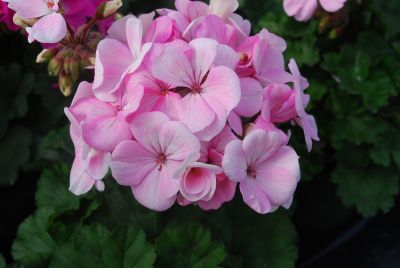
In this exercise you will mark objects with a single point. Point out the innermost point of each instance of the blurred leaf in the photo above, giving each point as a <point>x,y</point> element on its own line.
<point>34,245</point>
<point>16,86</point>
<point>56,145</point>
<point>15,152</point>
<point>188,245</point>
<point>2,262</point>
<point>95,246</point>
<point>370,190</point>
<point>52,190</point>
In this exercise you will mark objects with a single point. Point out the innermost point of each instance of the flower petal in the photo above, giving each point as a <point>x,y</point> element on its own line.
<point>234,162</point>
<point>51,28</point>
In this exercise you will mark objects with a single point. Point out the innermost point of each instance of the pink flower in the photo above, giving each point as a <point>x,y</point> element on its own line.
<point>267,169</point>
<point>306,121</point>
<point>90,166</point>
<point>211,92</point>
<point>6,16</point>
<point>303,10</point>
<point>261,57</point>
<point>213,188</point>
<point>126,37</point>
<point>249,105</point>
<point>106,124</point>
<point>279,104</point>
<point>50,27</point>
<point>151,163</point>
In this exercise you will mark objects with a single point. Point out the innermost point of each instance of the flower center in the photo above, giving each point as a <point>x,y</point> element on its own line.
<point>251,173</point>
<point>244,58</point>
<point>196,89</point>
<point>161,160</point>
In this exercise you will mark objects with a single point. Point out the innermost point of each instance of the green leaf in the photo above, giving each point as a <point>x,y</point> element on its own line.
<point>52,190</point>
<point>34,245</point>
<point>95,246</point>
<point>381,155</point>
<point>15,149</point>
<point>16,86</point>
<point>188,245</point>
<point>370,190</point>
<point>2,262</point>
<point>254,240</point>
<point>56,145</point>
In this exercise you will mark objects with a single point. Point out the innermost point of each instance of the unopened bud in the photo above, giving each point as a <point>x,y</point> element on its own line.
<point>66,84</point>
<point>108,9</point>
<point>74,68</point>
<point>54,66</point>
<point>46,55</point>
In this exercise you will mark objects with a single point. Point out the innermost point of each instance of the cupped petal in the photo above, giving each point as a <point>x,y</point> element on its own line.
<point>332,5</point>
<point>51,28</point>
<point>110,69</point>
<point>98,164</point>
<point>234,162</point>
<point>131,163</point>
<point>235,122</point>
<point>29,9</point>
<point>278,176</point>
<point>162,30</point>
<point>223,8</point>
<point>252,97</point>
<point>225,191</point>
<point>222,86</point>
<point>104,134</point>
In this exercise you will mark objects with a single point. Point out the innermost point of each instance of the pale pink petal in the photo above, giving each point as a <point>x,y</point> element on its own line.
<point>151,191</point>
<point>181,21</point>
<point>217,125</point>
<point>104,134</point>
<point>259,145</point>
<point>131,98</point>
<point>242,25</point>
<point>51,28</point>
<point>278,176</point>
<point>332,5</point>
<point>225,191</point>
<point>111,68</point>
<point>146,20</point>
<point>235,122</point>
<point>226,56</point>
<point>98,164</point>
<point>254,196</point>
<point>177,143</point>
<point>29,9</point>
<point>174,68</point>
<point>205,51</point>
<point>195,112</point>
<point>146,129</point>
<point>80,181</point>
<point>92,108</point>
<point>252,97</point>
<point>234,162</point>
<point>131,163</point>
<point>307,122</point>
<point>191,9</point>
<point>222,86</point>
<point>275,41</point>
<point>162,30</point>
<point>84,91</point>
<point>118,29</point>
<point>223,8</point>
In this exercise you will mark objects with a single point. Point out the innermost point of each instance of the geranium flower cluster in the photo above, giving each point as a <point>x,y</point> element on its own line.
<point>47,21</point>
<point>303,10</point>
<point>185,105</point>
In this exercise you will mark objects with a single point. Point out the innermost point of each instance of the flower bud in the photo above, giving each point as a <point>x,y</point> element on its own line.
<point>108,9</point>
<point>74,68</point>
<point>54,66</point>
<point>66,84</point>
<point>46,55</point>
